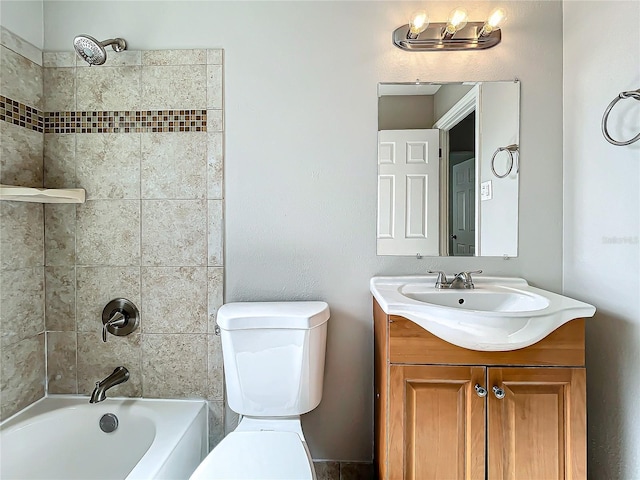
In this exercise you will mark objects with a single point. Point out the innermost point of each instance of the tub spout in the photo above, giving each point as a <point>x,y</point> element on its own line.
<point>119,375</point>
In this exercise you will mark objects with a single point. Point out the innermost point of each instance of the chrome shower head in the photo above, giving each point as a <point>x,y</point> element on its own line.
<point>92,51</point>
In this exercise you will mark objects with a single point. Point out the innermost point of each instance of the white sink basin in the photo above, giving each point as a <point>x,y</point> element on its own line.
<point>500,314</point>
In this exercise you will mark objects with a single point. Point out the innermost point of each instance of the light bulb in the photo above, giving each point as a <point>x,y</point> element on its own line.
<point>457,20</point>
<point>418,23</point>
<point>496,19</point>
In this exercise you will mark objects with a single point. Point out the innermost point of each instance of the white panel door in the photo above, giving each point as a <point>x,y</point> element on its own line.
<point>463,189</point>
<point>408,196</point>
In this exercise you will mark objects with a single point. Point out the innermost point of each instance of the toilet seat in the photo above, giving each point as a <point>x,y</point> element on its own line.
<point>257,455</point>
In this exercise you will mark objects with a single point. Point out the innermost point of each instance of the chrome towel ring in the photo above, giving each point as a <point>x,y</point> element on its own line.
<point>631,94</point>
<point>510,149</point>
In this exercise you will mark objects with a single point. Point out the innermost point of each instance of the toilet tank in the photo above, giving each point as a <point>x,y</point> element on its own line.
<point>273,356</point>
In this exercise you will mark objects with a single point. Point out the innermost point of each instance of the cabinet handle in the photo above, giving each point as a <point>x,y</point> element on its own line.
<point>481,391</point>
<point>498,392</point>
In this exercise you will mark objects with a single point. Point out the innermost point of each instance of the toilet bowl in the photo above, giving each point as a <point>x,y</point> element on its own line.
<point>273,354</point>
<point>249,453</point>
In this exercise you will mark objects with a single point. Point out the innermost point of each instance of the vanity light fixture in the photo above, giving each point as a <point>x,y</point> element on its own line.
<point>456,34</point>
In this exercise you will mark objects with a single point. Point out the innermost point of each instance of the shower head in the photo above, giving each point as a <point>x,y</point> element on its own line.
<point>92,51</point>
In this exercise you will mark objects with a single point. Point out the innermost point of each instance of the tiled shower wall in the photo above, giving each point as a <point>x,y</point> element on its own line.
<point>142,134</point>
<point>22,342</point>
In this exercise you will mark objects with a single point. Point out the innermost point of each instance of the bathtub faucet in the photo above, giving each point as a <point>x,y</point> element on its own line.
<point>119,375</point>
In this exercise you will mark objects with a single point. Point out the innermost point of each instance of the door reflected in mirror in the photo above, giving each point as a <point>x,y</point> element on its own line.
<point>448,169</point>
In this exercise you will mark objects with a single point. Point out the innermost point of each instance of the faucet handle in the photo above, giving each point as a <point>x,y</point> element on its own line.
<point>117,320</point>
<point>468,281</point>
<point>119,317</point>
<point>474,272</point>
<point>441,281</point>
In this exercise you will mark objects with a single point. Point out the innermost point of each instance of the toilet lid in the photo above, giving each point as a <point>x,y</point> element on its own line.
<point>262,455</point>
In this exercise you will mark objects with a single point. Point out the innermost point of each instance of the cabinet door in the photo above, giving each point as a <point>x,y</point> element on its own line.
<point>538,430</point>
<point>436,423</point>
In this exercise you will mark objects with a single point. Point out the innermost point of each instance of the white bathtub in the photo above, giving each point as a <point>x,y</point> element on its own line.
<point>59,437</point>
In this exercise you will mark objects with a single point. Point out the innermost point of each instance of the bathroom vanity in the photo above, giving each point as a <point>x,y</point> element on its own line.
<point>478,379</point>
<point>447,412</point>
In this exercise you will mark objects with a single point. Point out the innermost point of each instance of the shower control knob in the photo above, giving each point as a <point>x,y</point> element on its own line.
<point>119,317</point>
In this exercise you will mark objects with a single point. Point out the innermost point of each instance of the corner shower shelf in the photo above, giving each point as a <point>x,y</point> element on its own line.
<point>42,195</point>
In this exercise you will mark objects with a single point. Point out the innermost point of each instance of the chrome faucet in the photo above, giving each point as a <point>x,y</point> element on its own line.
<point>460,280</point>
<point>441,281</point>
<point>463,280</point>
<point>119,375</point>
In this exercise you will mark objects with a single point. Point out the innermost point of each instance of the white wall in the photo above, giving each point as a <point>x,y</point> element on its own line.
<point>498,118</point>
<point>25,19</point>
<point>300,169</point>
<point>602,223</point>
<point>447,96</point>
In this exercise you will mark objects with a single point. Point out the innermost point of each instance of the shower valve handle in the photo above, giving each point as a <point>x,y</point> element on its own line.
<point>119,317</point>
<point>117,320</point>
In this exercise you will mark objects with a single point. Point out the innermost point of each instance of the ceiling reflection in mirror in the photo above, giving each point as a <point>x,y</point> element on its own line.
<point>448,169</point>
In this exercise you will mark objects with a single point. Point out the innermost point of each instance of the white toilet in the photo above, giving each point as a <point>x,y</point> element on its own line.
<point>273,356</point>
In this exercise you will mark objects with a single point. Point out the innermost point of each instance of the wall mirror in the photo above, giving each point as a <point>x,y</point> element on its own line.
<point>448,168</point>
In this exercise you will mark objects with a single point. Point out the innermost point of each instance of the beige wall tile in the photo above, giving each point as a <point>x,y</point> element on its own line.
<point>175,366</point>
<point>174,299</point>
<point>22,80</point>
<point>21,304</point>
<point>21,235</point>
<point>214,86</point>
<point>97,286</point>
<point>60,234</point>
<point>174,57</point>
<point>127,58</point>
<point>214,56</point>
<point>108,232</point>
<point>216,423</point>
<point>108,88</point>
<point>59,89</point>
<point>216,233</point>
<point>60,295</point>
<point>97,360</point>
<point>22,375</point>
<point>174,87</point>
<point>20,156</point>
<point>61,362</point>
<point>174,232</point>
<point>174,165</point>
<point>215,121</point>
<point>215,370</point>
<point>108,165</point>
<point>60,160</point>
<point>58,59</point>
<point>215,165</point>
<point>215,280</point>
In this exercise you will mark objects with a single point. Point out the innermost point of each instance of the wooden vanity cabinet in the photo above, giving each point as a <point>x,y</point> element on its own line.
<point>430,422</point>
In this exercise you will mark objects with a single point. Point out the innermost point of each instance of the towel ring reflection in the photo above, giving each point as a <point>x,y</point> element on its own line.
<point>510,149</point>
<point>631,94</point>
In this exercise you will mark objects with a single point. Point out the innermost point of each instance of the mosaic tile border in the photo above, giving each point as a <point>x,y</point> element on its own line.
<point>138,121</point>
<point>20,114</point>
